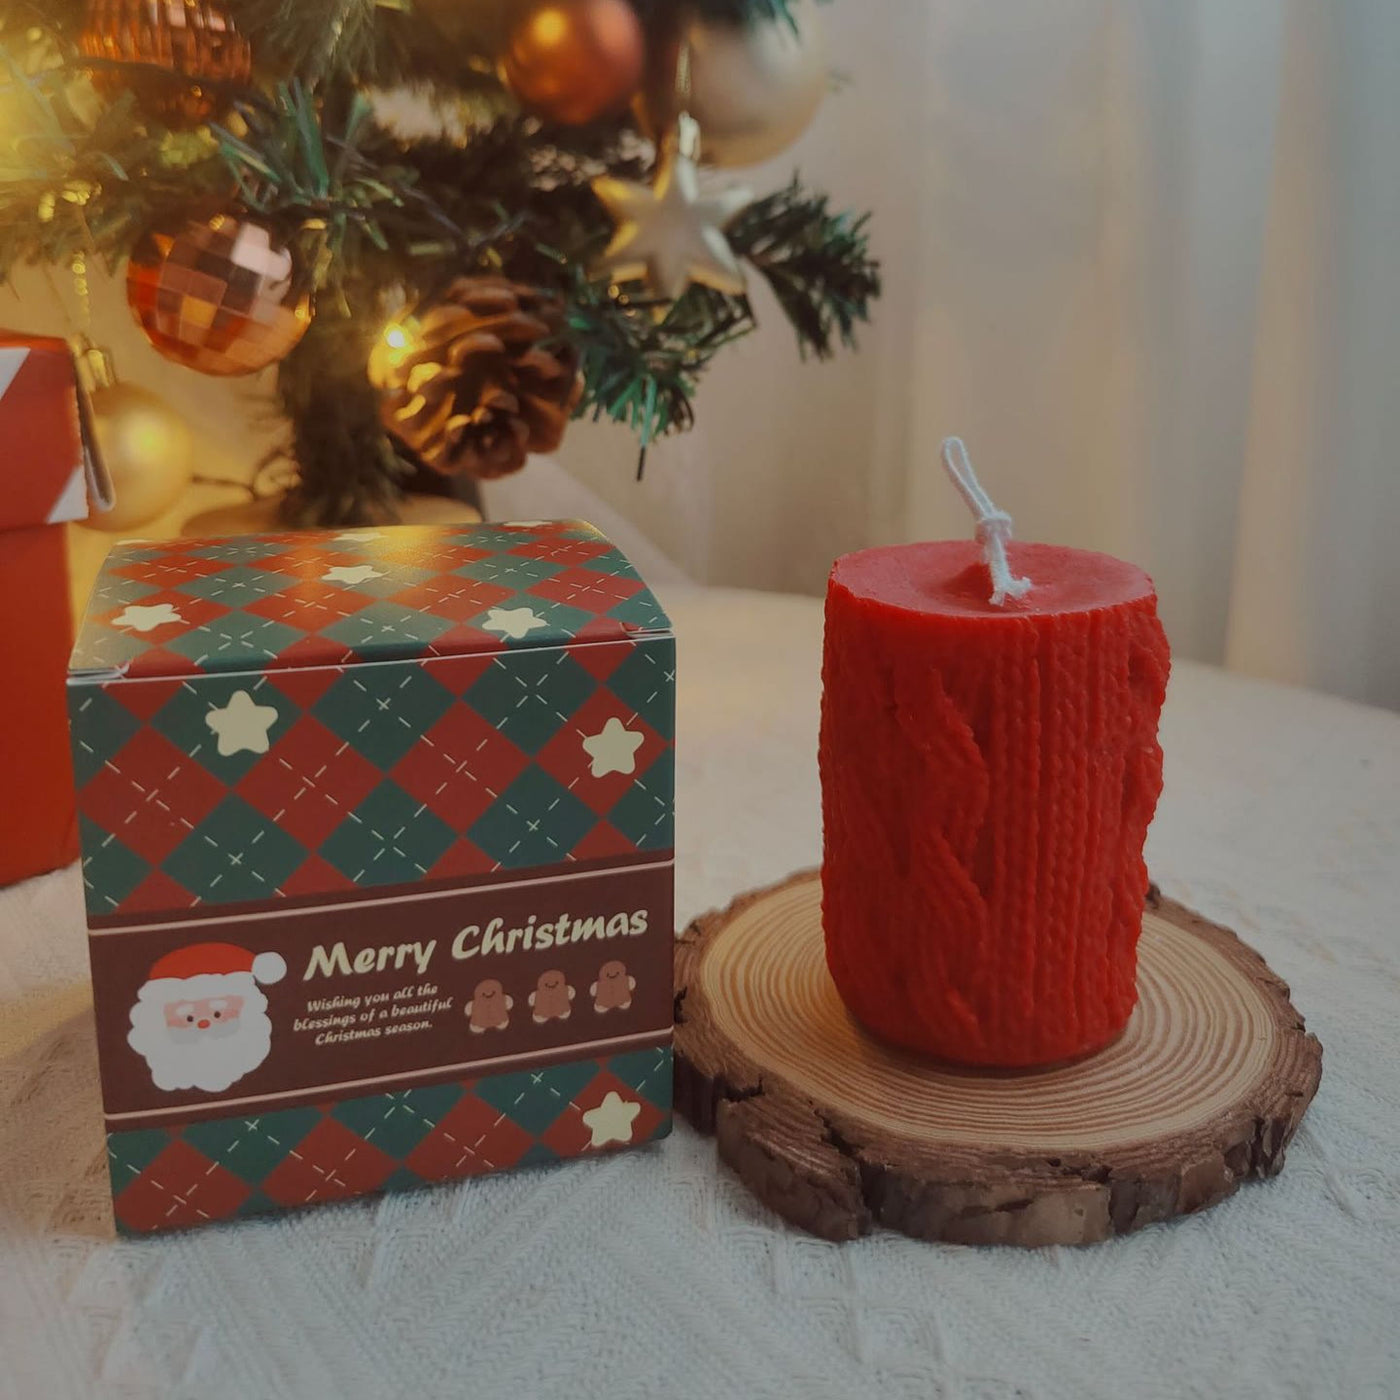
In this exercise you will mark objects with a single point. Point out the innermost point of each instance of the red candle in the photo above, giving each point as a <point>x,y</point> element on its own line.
<point>988,775</point>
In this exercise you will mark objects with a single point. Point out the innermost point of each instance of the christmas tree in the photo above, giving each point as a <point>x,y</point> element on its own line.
<point>438,303</point>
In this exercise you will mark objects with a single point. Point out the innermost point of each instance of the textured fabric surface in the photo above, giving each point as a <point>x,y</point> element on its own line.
<point>653,1273</point>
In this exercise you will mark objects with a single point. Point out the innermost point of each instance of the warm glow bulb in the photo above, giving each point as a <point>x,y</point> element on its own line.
<point>550,28</point>
<point>396,338</point>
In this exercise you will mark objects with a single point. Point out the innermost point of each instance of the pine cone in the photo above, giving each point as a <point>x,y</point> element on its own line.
<point>477,388</point>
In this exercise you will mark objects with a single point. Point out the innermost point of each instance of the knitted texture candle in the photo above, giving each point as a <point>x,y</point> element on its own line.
<point>988,775</point>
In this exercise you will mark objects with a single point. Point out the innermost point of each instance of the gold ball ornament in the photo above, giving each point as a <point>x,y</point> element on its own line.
<point>184,49</point>
<point>754,88</point>
<point>148,450</point>
<point>221,295</point>
<point>574,61</point>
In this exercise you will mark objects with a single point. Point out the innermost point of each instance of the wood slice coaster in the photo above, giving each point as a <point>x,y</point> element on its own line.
<point>837,1131</point>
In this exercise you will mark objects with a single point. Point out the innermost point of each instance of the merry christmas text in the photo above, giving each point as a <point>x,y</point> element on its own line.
<point>475,940</point>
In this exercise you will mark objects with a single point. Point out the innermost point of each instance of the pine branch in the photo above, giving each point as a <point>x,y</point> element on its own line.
<point>817,263</point>
<point>641,371</point>
<point>375,216</point>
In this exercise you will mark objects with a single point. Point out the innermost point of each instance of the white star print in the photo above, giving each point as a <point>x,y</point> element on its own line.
<point>242,725</point>
<point>147,619</point>
<point>514,623</point>
<point>613,749</point>
<point>350,573</point>
<point>360,536</point>
<point>612,1120</point>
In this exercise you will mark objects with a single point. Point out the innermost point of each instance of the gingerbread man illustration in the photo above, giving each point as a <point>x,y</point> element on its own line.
<point>613,989</point>
<point>490,1007</point>
<point>552,999</point>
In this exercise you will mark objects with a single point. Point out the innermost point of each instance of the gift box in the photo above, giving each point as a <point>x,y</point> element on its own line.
<point>49,473</point>
<point>377,835</point>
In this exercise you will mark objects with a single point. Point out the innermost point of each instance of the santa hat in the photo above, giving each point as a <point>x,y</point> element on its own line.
<point>218,960</point>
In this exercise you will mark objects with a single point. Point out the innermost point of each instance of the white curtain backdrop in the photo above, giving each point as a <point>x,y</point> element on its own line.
<point>1144,255</point>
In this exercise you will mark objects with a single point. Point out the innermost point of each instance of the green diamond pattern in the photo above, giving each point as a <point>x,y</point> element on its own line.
<point>612,561</point>
<point>234,587</point>
<point>644,813</point>
<point>110,871</point>
<point>532,691</point>
<point>114,591</point>
<point>404,1180</point>
<point>234,853</point>
<point>183,719</point>
<point>646,1071</point>
<point>528,695</point>
<point>510,570</point>
<point>251,1147</point>
<point>237,641</point>
<point>129,1154</point>
<point>393,580</point>
<point>562,619</point>
<point>535,1098</point>
<point>243,549</point>
<point>535,821</point>
<point>397,1123</point>
<point>100,728</point>
<point>388,839</point>
<point>388,625</point>
<point>113,649</point>
<point>646,682</point>
<point>641,610</point>
<point>382,710</point>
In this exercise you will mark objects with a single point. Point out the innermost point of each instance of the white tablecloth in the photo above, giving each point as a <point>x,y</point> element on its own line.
<point>653,1273</point>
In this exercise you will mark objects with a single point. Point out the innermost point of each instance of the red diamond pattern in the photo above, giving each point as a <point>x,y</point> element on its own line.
<point>565,759</point>
<point>146,699</point>
<point>310,605</point>
<point>462,858</point>
<point>157,893</point>
<point>472,1138</point>
<point>150,796</point>
<point>309,782</point>
<point>305,688</point>
<point>452,764</point>
<point>583,588</point>
<point>160,660</point>
<point>181,1187</point>
<point>174,566</point>
<point>459,767</point>
<point>569,1135</point>
<point>450,596</point>
<point>329,1163</point>
<point>602,659</point>
<point>316,876</point>
<point>425,549</point>
<point>559,551</point>
<point>602,841</point>
<point>190,610</point>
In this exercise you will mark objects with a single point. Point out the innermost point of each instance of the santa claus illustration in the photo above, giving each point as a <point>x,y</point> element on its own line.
<point>200,1021</point>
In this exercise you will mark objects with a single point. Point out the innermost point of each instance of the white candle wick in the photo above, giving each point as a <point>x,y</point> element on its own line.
<point>993,525</point>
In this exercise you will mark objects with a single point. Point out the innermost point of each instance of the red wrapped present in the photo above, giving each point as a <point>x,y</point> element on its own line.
<point>49,473</point>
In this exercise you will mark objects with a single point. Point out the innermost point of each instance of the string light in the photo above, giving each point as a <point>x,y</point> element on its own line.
<point>397,342</point>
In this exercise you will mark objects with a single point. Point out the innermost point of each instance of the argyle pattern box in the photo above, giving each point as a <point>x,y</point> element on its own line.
<point>167,1178</point>
<point>377,818</point>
